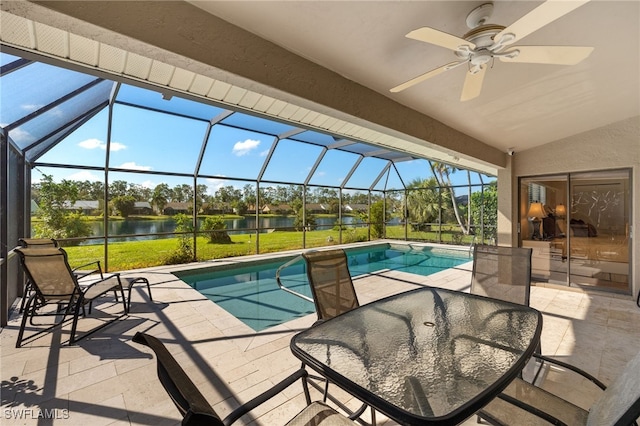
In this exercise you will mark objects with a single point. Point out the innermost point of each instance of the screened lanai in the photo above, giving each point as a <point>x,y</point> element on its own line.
<point>100,164</point>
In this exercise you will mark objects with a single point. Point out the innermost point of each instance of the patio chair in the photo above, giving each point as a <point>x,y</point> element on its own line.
<point>33,243</point>
<point>502,273</point>
<point>54,283</point>
<point>84,271</point>
<point>523,403</point>
<point>333,293</point>
<point>330,281</point>
<point>196,410</point>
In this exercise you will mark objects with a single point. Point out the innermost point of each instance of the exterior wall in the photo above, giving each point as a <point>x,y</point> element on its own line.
<point>610,147</point>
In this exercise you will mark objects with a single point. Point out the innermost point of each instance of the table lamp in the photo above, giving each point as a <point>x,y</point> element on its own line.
<point>561,210</point>
<point>536,212</point>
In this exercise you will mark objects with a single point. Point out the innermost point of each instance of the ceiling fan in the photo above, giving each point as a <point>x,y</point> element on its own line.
<point>484,42</point>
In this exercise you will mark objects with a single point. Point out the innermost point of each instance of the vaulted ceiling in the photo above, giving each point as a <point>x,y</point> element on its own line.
<point>362,48</point>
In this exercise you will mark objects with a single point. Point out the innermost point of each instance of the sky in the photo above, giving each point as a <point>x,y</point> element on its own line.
<point>147,140</point>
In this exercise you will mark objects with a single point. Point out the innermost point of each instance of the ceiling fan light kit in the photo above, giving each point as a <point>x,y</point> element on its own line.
<point>485,42</point>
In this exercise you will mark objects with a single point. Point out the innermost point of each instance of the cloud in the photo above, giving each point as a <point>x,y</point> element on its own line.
<point>117,146</point>
<point>243,148</point>
<point>85,175</point>
<point>30,107</point>
<point>133,166</point>
<point>264,153</point>
<point>148,184</point>
<point>94,143</point>
<point>19,135</point>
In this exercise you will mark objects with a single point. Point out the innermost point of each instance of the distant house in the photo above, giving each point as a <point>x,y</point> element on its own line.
<point>317,208</point>
<point>355,208</point>
<point>85,206</point>
<point>216,208</point>
<point>142,208</point>
<point>462,200</point>
<point>276,209</point>
<point>171,209</point>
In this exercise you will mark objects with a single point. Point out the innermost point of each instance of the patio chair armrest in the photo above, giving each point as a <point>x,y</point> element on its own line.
<point>572,368</point>
<point>531,409</point>
<point>245,408</point>
<point>82,270</point>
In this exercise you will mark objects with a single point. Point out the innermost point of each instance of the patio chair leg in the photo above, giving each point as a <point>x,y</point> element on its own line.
<point>76,313</point>
<point>25,296</point>
<point>24,320</point>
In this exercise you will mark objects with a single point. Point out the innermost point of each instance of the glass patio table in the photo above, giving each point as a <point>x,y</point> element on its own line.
<point>426,356</point>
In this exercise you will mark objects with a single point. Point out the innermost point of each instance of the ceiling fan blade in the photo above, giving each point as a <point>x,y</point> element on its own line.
<point>559,55</point>
<point>473,84</point>
<point>433,36</point>
<point>542,15</point>
<point>425,76</point>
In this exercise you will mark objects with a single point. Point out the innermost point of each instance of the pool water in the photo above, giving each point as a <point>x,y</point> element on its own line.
<point>251,294</point>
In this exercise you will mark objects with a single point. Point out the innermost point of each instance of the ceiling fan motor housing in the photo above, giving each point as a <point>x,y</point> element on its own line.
<point>480,15</point>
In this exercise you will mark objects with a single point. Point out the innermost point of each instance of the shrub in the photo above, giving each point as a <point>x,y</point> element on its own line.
<point>216,230</point>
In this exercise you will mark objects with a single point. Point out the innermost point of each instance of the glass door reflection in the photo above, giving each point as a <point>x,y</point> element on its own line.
<point>578,226</point>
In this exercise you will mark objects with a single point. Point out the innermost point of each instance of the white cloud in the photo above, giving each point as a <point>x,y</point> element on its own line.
<point>94,143</point>
<point>213,185</point>
<point>30,107</point>
<point>148,184</point>
<point>133,166</point>
<point>264,153</point>
<point>85,175</point>
<point>243,148</point>
<point>117,146</point>
<point>18,135</point>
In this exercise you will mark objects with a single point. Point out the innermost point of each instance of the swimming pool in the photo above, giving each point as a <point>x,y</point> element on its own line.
<point>250,292</point>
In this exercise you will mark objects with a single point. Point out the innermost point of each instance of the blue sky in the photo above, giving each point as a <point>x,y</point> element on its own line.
<point>144,140</point>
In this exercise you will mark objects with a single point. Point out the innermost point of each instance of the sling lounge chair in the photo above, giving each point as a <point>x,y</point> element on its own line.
<point>54,283</point>
<point>33,243</point>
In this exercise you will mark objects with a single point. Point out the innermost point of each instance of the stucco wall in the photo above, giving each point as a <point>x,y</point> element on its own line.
<point>611,147</point>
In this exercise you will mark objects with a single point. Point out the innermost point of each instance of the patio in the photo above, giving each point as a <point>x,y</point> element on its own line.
<point>107,380</point>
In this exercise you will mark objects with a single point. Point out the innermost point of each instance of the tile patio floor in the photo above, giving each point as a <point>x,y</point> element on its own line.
<point>108,380</point>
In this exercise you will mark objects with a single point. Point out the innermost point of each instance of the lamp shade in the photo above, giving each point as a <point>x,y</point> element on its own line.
<point>536,210</point>
<point>561,210</point>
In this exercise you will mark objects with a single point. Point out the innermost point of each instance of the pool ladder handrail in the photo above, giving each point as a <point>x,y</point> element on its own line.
<point>288,290</point>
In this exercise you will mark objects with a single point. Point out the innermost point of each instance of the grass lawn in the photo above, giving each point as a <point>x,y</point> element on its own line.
<point>146,253</point>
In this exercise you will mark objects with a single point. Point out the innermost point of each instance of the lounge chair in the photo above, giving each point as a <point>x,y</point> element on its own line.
<point>33,243</point>
<point>53,282</point>
<point>524,403</point>
<point>82,271</point>
<point>196,410</point>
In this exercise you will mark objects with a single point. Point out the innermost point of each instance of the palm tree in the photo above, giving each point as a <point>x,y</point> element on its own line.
<point>444,171</point>
<point>424,200</point>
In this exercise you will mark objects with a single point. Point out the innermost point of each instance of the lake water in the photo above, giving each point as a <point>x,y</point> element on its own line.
<point>234,226</point>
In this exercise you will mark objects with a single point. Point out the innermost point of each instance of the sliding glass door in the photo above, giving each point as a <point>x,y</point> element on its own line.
<point>578,227</point>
